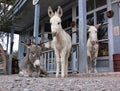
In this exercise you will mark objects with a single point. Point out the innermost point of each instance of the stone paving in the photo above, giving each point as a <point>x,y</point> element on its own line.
<point>75,82</point>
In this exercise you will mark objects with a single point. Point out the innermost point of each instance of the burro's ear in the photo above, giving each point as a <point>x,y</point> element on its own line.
<point>98,25</point>
<point>26,44</point>
<point>87,26</point>
<point>50,12</point>
<point>59,11</point>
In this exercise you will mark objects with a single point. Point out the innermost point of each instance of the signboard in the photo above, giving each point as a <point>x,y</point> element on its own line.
<point>116,31</point>
<point>35,2</point>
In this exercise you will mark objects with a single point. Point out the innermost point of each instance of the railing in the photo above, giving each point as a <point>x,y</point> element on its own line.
<point>49,62</point>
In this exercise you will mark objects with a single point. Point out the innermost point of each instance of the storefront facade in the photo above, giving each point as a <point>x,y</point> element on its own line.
<point>96,13</point>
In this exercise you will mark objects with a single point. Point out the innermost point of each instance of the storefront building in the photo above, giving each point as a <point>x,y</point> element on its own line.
<point>96,12</point>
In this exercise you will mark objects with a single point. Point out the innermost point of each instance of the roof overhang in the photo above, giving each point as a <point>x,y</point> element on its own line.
<point>24,18</point>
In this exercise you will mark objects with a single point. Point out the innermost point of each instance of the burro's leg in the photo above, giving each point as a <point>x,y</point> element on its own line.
<point>89,64</point>
<point>63,68</point>
<point>95,61</point>
<point>89,61</point>
<point>66,66</point>
<point>66,63</point>
<point>57,63</point>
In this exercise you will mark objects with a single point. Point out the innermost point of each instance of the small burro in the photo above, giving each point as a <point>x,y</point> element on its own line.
<point>31,65</point>
<point>61,41</point>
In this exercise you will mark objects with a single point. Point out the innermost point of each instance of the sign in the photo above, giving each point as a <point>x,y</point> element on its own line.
<point>116,31</point>
<point>35,2</point>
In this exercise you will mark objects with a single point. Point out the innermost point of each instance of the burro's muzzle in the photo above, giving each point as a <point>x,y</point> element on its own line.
<point>36,63</point>
<point>54,34</point>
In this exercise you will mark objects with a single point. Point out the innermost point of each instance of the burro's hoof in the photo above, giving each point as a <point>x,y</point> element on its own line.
<point>21,74</point>
<point>35,74</point>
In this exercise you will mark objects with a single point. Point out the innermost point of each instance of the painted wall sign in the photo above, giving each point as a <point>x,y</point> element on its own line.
<point>116,31</point>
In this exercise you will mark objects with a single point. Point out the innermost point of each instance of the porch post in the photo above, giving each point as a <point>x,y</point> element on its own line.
<point>82,36</point>
<point>11,51</point>
<point>110,37</point>
<point>36,22</point>
<point>7,42</point>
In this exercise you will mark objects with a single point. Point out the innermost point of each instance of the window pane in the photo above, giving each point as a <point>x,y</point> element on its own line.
<point>100,3</point>
<point>103,32</point>
<point>103,49</point>
<point>101,16</point>
<point>90,5</point>
<point>90,19</point>
<point>103,46</point>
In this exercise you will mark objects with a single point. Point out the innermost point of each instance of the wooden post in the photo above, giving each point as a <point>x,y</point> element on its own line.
<point>11,51</point>
<point>82,36</point>
<point>36,22</point>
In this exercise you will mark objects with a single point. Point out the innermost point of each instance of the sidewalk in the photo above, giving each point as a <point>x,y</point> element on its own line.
<point>76,82</point>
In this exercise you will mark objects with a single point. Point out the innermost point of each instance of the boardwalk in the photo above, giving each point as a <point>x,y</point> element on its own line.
<point>79,82</point>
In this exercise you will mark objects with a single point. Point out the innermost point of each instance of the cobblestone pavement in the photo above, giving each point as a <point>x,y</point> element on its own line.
<point>76,82</point>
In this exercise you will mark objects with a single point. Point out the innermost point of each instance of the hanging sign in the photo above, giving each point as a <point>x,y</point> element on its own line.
<point>35,2</point>
<point>110,13</point>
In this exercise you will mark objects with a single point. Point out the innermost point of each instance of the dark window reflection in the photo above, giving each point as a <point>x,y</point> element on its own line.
<point>103,32</point>
<point>90,19</point>
<point>90,5</point>
<point>103,46</point>
<point>103,49</point>
<point>100,3</point>
<point>101,16</point>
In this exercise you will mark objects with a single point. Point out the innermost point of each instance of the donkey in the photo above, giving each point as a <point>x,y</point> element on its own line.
<point>61,41</point>
<point>30,65</point>
<point>92,47</point>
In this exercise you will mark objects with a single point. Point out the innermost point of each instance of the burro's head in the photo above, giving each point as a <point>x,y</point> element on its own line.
<point>35,51</point>
<point>55,20</point>
<point>92,30</point>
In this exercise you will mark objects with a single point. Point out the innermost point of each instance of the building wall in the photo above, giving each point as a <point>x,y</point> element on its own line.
<point>105,63</point>
<point>116,30</point>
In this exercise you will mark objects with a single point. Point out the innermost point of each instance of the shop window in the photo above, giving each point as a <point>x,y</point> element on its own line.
<point>102,33</point>
<point>90,19</point>
<point>103,49</point>
<point>90,5</point>
<point>100,3</point>
<point>101,16</point>
<point>93,4</point>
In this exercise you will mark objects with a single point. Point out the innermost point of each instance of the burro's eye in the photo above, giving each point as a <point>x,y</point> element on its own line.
<point>58,23</point>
